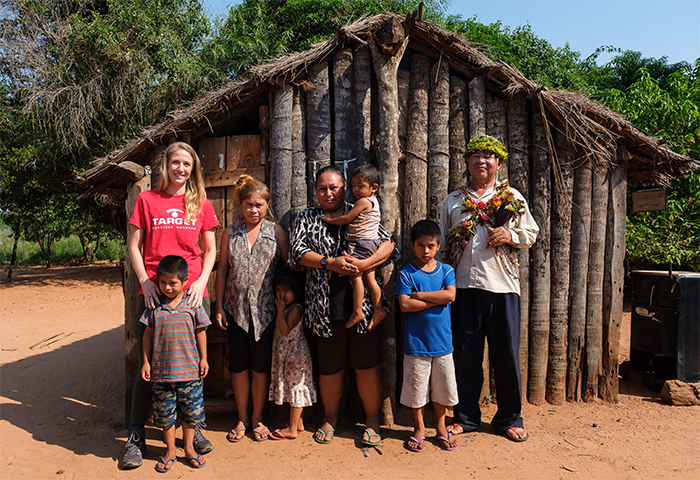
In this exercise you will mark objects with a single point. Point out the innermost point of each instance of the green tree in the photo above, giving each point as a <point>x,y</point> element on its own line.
<point>255,31</point>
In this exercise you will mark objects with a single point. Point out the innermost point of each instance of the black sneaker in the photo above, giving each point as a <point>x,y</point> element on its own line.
<point>201,444</point>
<point>135,448</point>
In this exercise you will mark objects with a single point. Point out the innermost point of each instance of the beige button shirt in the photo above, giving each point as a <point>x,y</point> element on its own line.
<point>480,265</point>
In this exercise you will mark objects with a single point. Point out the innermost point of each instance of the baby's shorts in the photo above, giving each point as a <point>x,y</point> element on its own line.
<point>429,378</point>
<point>364,248</point>
<point>178,398</point>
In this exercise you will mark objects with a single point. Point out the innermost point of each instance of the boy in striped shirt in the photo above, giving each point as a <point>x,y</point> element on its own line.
<point>175,360</point>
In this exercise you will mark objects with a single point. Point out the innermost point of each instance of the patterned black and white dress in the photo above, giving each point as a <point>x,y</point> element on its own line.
<point>311,234</point>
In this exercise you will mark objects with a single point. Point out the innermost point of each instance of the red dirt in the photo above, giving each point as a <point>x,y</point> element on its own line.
<point>62,413</point>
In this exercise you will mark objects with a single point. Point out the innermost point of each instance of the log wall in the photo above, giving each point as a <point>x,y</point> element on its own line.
<point>570,300</point>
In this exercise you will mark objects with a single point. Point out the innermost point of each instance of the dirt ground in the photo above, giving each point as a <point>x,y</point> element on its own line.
<point>62,412</point>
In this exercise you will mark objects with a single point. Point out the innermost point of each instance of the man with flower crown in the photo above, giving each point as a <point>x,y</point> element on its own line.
<point>483,223</point>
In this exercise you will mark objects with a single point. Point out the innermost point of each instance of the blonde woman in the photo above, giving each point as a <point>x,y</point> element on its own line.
<point>169,221</point>
<point>250,252</point>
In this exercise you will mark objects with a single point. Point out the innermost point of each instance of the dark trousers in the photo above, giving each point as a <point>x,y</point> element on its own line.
<point>476,315</point>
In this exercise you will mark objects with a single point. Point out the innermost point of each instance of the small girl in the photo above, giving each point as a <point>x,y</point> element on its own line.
<point>291,377</point>
<point>363,226</point>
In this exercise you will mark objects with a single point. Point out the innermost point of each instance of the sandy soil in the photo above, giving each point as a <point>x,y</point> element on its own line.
<point>62,412</point>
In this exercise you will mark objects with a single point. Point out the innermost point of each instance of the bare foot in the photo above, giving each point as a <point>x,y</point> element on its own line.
<point>416,442</point>
<point>325,434</point>
<point>300,426</point>
<point>236,434</point>
<point>517,434</point>
<point>356,318</point>
<point>455,429</point>
<point>284,434</point>
<point>261,432</point>
<point>379,315</point>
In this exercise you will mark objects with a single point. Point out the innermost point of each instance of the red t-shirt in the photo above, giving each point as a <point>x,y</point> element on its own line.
<point>161,216</point>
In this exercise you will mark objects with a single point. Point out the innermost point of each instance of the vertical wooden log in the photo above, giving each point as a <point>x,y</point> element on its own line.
<point>458,126</point>
<point>264,126</point>
<point>281,155</point>
<point>318,121</point>
<point>539,263</point>
<point>385,68</point>
<point>477,126</point>
<point>344,112</point>
<point>578,282</point>
<point>477,107</point>
<point>594,299</point>
<point>518,173</point>
<point>363,101</point>
<point>614,276</point>
<point>299,186</point>
<point>416,181</point>
<point>496,124</point>
<point>439,138</point>
<point>132,299</point>
<point>561,249</point>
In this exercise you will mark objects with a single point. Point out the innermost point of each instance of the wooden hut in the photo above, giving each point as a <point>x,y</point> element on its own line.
<point>407,95</point>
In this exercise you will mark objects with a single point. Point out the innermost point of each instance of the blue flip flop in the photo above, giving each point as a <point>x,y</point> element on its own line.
<point>196,459</point>
<point>165,463</point>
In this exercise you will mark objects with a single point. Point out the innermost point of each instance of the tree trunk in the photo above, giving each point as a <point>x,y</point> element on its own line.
<point>385,68</point>
<point>132,299</point>
<point>561,243</point>
<point>318,121</point>
<point>281,155</point>
<point>496,124</point>
<point>298,187</point>
<point>416,181</point>
<point>458,128</point>
<point>344,111</point>
<point>578,283</point>
<point>539,264</point>
<point>363,103</point>
<point>518,173</point>
<point>477,107</point>
<point>596,271</point>
<point>614,277</point>
<point>13,258</point>
<point>439,138</point>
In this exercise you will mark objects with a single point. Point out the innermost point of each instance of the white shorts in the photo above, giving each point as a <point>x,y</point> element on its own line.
<point>429,378</point>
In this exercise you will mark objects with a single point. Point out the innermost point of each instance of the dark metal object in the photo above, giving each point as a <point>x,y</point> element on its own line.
<point>665,330</point>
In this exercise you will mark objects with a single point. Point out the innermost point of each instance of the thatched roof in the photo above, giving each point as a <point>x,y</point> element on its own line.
<point>594,128</point>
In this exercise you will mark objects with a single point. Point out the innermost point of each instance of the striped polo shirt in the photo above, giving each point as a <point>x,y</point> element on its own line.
<point>175,356</point>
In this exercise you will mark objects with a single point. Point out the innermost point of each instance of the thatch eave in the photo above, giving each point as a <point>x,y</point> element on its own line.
<point>594,128</point>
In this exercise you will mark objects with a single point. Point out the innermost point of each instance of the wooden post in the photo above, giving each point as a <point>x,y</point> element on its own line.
<point>458,128</point>
<point>477,107</point>
<point>299,186</point>
<point>614,276</point>
<point>518,173</point>
<point>578,282</point>
<point>344,112</point>
<point>539,263</point>
<point>363,101</point>
<point>392,41</point>
<point>561,248</point>
<point>439,138</point>
<point>496,124</point>
<point>281,155</point>
<point>132,300</point>
<point>318,122</point>
<point>594,299</point>
<point>416,181</point>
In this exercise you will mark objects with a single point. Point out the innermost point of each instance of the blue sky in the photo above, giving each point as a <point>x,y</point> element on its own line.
<point>656,28</point>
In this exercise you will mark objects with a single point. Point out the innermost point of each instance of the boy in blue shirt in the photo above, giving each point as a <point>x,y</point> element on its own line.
<point>426,288</point>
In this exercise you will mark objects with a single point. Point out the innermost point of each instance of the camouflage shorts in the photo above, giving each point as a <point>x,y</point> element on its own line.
<point>180,398</point>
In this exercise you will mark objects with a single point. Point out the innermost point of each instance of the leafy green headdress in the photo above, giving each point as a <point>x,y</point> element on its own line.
<point>487,144</point>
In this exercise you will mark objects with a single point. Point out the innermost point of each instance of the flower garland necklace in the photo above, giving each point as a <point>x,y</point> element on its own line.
<point>495,213</point>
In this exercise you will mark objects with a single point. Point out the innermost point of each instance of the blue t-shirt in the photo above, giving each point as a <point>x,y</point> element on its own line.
<point>428,333</point>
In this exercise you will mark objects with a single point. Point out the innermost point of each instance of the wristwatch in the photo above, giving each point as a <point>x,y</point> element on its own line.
<point>324,261</point>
